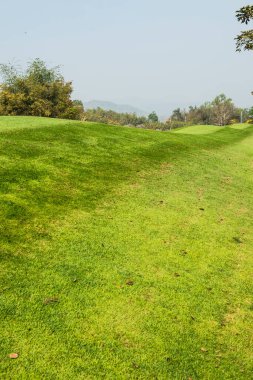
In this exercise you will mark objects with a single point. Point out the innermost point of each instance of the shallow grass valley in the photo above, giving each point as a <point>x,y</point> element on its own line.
<point>125,253</point>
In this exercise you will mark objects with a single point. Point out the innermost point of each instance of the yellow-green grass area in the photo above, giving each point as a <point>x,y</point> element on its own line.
<point>207,129</point>
<point>198,129</point>
<point>8,123</point>
<point>125,253</point>
<point>240,126</point>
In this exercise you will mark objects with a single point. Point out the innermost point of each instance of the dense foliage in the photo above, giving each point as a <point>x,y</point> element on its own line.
<point>221,111</point>
<point>39,91</point>
<point>244,41</point>
<point>113,117</point>
<point>153,118</point>
<point>128,119</point>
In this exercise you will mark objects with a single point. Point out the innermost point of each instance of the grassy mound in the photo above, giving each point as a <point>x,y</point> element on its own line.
<point>207,129</point>
<point>198,129</point>
<point>125,253</point>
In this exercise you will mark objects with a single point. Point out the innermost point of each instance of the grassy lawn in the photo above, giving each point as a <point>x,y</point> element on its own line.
<point>125,253</point>
<point>206,129</point>
<point>198,129</point>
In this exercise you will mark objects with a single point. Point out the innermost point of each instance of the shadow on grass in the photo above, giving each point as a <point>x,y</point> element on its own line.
<point>47,172</point>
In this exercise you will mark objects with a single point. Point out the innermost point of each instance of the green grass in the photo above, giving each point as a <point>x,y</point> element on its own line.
<point>198,129</point>
<point>240,126</point>
<point>207,129</point>
<point>125,253</point>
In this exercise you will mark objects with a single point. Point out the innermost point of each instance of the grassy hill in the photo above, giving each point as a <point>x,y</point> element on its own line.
<point>125,253</point>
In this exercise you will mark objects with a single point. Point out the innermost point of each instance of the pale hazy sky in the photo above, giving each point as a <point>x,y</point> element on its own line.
<point>154,54</point>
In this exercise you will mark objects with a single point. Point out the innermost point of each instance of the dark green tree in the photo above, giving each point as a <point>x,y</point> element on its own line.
<point>244,41</point>
<point>178,115</point>
<point>153,118</point>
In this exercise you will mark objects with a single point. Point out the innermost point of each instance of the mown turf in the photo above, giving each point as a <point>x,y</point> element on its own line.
<point>125,254</point>
<point>207,129</point>
<point>198,129</point>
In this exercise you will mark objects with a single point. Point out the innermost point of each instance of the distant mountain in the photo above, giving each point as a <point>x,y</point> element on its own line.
<point>122,108</point>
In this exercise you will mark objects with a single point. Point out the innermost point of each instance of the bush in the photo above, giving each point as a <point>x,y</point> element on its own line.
<point>38,91</point>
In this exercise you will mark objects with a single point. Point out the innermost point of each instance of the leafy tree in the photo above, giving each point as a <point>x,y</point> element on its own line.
<point>198,115</point>
<point>78,103</point>
<point>222,110</point>
<point>39,91</point>
<point>178,115</point>
<point>153,118</point>
<point>244,41</point>
<point>206,113</point>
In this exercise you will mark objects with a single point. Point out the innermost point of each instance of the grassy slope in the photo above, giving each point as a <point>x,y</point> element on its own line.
<point>198,129</point>
<point>144,238</point>
<point>206,129</point>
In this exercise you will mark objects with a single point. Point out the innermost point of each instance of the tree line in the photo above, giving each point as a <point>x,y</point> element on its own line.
<point>220,111</point>
<point>119,118</point>
<point>42,91</point>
